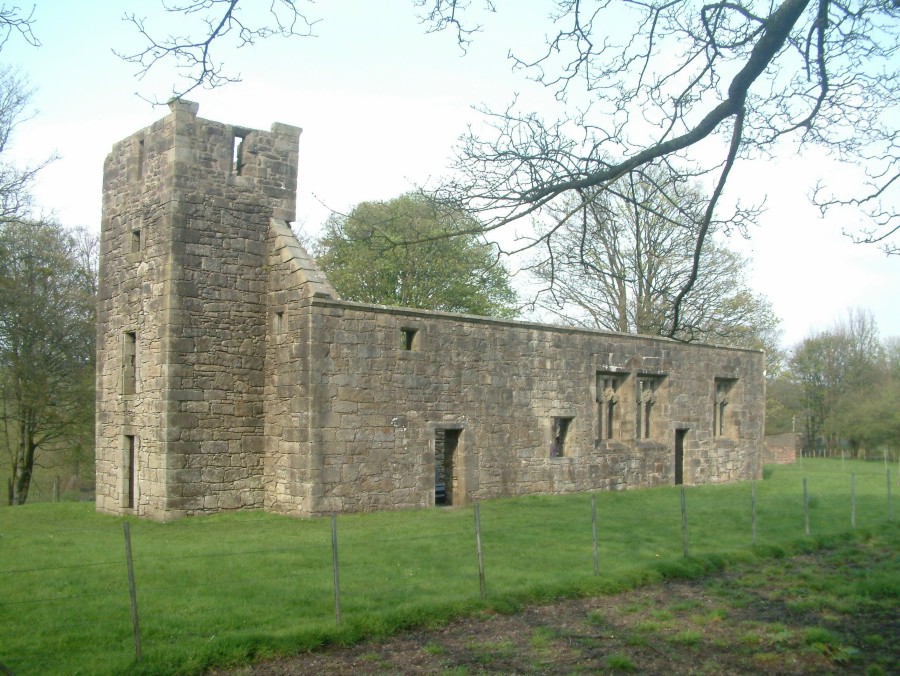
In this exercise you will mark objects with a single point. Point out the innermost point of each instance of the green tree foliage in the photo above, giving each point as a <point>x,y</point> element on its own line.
<point>784,404</point>
<point>617,268</point>
<point>47,339</point>
<point>848,388</point>
<point>411,253</point>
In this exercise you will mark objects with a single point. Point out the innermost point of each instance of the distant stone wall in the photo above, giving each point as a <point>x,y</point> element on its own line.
<point>232,376</point>
<point>780,449</point>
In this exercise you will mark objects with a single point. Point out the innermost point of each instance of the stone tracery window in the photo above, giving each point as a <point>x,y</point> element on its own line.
<point>607,403</point>
<point>645,402</point>
<point>721,398</point>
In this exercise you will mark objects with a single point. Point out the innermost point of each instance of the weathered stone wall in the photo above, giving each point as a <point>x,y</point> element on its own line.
<point>293,281</point>
<point>376,405</point>
<point>231,375</point>
<point>193,294</point>
<point>780,449</point>
<point>135,277</point>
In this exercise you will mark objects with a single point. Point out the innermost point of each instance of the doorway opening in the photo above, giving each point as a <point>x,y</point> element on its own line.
<point>446,473</point>
<point>679,456</point>
<point>129,488</point>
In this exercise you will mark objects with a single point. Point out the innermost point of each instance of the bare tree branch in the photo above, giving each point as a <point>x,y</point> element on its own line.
<point>14,19</point>
<point>212,22</point>
<point>705,223</point>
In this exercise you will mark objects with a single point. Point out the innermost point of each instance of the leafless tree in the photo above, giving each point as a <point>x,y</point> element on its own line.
<point>617,266</point>
<point>698,86</point>
<point>15,181</point>
<point>695,85</point>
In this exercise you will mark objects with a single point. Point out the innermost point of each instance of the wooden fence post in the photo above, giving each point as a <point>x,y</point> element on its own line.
<point>478,550</point>
<point>336,569</point>
<point>753,509</point>
<point>806,505</point>
<point>133,591</point>
<point>890,504</point>
<point>594,524</point>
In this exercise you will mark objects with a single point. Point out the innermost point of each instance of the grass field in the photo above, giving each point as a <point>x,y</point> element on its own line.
<point>227,588</point>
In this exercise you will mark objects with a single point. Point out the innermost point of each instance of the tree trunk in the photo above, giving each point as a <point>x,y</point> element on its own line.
<point>24,465</point>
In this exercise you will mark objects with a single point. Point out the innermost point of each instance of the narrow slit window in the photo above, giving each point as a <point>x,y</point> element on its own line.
<point>136,240</point>
<point>560,431</point>
<point>279,323</point>
<point>140,159</point>
<point>409,339</point>
<point>237,159</point>
<point>129,362</point>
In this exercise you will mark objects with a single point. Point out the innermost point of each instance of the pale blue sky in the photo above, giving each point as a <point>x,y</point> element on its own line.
<point>381,104</point>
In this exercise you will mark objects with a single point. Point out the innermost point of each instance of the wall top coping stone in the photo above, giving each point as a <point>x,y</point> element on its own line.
<point>286,129</point>
<point>319,301</point>
<point>191,107</point>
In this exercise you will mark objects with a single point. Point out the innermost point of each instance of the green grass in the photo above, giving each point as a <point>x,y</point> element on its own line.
<point>229,588</point>
<point>619,663</point>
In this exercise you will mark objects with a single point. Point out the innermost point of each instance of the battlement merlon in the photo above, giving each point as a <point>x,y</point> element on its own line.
<point>181,152</point>
<point>252,160</point>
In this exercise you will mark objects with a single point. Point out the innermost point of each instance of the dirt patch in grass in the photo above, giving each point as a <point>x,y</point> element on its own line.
<point>832,611</point>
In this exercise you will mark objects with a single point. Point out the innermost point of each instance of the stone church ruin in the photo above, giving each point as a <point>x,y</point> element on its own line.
<point>232,376</point>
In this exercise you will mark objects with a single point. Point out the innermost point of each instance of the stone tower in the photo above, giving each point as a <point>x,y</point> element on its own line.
<point>187,209</point>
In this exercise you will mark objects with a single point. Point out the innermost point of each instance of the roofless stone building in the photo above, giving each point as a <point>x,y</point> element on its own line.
<point>232,376</point>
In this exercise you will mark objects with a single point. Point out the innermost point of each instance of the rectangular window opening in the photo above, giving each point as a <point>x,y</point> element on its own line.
<point>129,362</point>
<point>136,240</point>
<point>279,323</point>
<point>237,158</point>
<point>410,339</point>
<point>560,430</point>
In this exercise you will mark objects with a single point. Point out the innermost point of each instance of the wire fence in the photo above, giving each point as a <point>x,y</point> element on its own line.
<point>110,596</point>
<point>55,488</point>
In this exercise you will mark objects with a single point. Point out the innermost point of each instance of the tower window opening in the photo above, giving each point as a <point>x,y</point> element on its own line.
<point>140,159</point>
<point>410,340</point>
<point>560,430</point>
<point>129,362</point>
<point>237,159</point>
